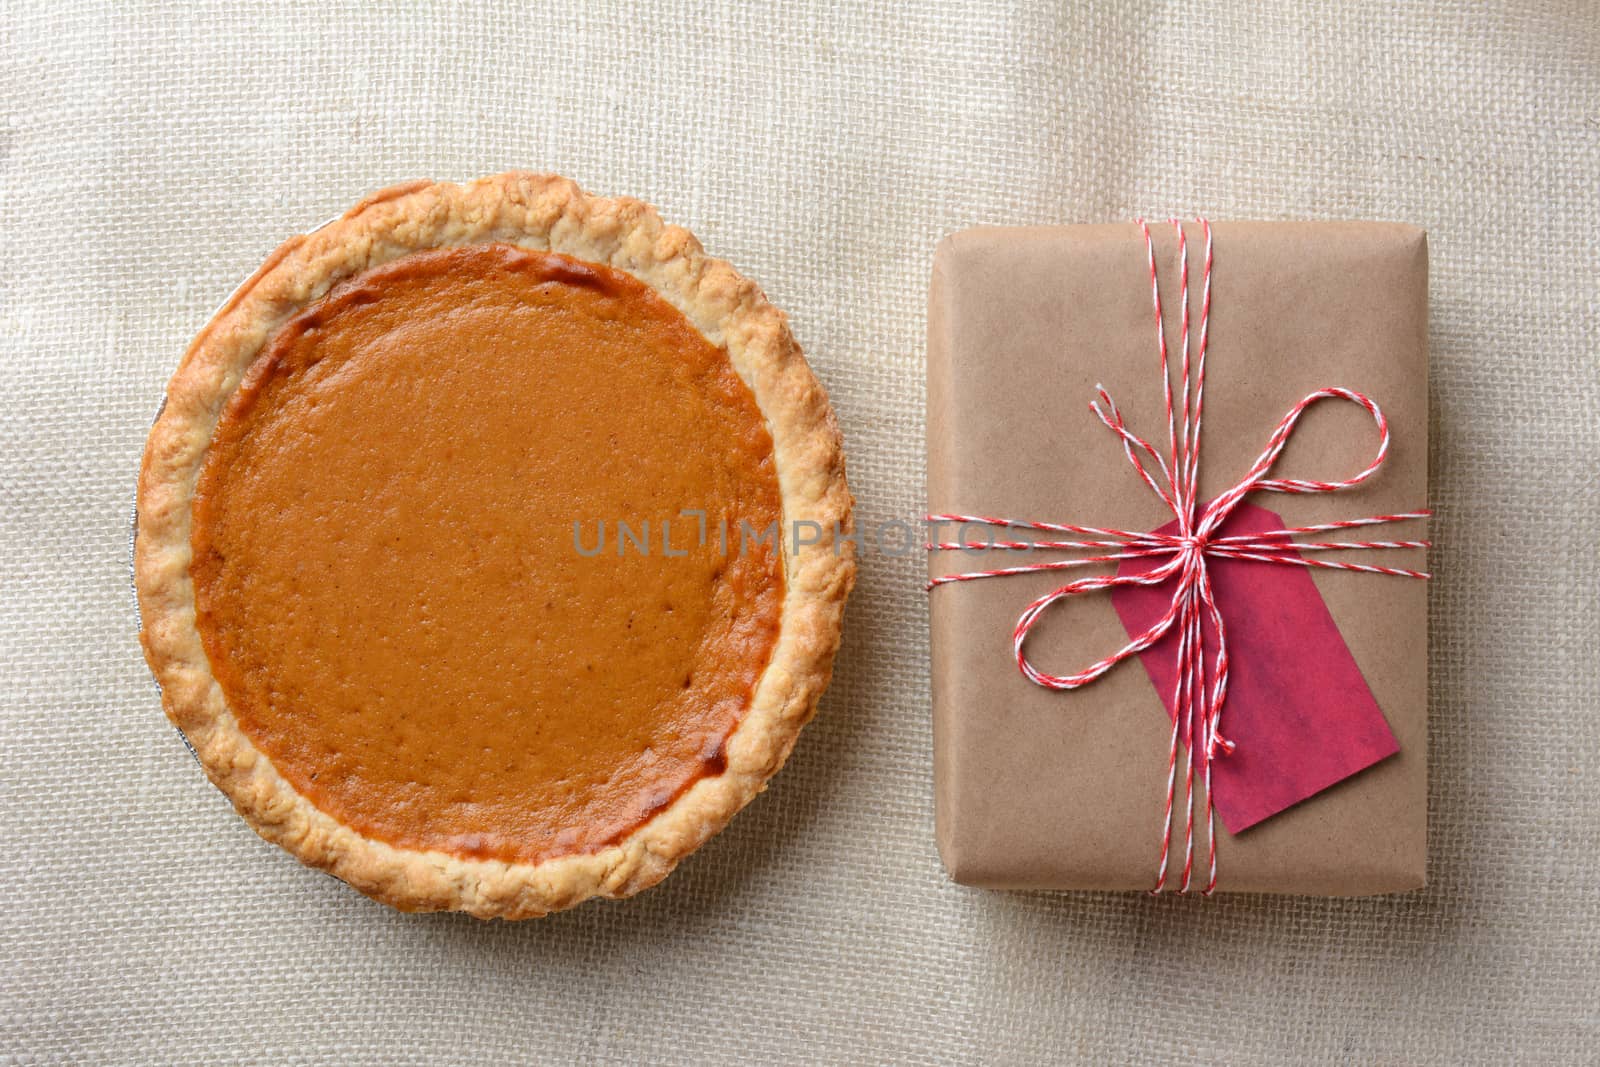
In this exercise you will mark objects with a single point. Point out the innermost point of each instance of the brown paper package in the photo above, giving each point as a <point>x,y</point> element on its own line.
<point>1040,789</point>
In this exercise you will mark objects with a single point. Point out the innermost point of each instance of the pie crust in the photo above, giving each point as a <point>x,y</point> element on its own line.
<point>546,213</point>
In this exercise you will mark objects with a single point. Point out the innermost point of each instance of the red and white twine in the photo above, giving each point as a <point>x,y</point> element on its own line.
<point>1199,694</point>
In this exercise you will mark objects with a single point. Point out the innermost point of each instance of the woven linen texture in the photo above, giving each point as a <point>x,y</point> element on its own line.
<point>153,152</point>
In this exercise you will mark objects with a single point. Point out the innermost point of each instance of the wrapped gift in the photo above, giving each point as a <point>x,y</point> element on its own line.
<point>1222,682</point>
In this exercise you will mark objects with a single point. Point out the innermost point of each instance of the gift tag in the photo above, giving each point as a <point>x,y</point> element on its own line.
<point>1298,708</point>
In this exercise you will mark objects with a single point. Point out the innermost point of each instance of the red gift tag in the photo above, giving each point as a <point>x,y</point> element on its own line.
<point>1298,709</point>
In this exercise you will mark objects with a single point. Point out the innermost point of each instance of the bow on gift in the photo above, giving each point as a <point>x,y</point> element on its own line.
<point>1199,694</point>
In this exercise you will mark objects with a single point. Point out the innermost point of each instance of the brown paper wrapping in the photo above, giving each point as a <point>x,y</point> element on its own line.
<point>1064,790</point>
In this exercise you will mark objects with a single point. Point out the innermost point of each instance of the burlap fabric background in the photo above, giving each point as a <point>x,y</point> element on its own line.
<point>153,152</point>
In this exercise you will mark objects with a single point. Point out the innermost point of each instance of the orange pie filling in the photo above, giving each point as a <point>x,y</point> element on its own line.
<point>390,586</point>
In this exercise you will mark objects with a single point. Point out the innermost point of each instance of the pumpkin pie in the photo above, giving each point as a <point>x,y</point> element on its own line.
<point>492,546</point>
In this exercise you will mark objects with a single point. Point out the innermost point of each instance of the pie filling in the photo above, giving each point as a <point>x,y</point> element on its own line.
<point>393,593</point>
